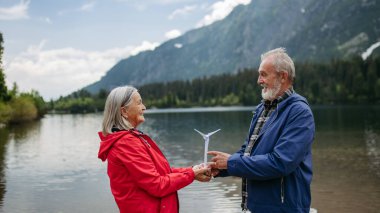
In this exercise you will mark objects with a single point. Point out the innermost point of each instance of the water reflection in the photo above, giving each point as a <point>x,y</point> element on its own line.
<point>343,179</point>
<point>372,140</point>
<point>4,134</point>
<point>217,196</point>
<point>55,161</point>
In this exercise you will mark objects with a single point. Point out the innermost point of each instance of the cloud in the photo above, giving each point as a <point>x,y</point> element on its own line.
<point>157,1</point>
<point>182,12</point>
<point>143,5</point>
<point>62,71</point>
<point>172,34</point>
<point>171,1</point>
<point>84,8</point>
<point>16,12</point>
<point>46,20</point>
<point>220,10</point>
<point>145,45</point>
<point>87,7</point>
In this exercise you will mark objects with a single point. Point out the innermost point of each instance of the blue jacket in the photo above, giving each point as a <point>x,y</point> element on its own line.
<point>279,170</point>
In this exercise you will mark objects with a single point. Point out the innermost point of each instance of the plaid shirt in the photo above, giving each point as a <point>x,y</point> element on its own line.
<point>269,108</point>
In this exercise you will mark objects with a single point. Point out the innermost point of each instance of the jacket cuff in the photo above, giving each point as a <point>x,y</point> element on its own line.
<point>232,163</point>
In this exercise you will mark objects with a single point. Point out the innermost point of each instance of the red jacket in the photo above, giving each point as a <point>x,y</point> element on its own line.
<point>140,176</point>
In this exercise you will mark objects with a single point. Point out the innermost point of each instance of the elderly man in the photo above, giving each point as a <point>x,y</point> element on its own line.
<point>275,161</point>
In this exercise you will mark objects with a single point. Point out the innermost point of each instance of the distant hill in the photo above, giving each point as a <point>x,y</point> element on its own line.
<point>311,30</point>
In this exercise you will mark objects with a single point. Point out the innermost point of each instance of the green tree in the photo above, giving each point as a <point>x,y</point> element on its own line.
<point>377,90</point>
<point>3,87</point>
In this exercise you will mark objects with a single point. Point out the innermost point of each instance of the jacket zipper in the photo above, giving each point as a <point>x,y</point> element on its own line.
<point>282,190</point>
<point>144,141</point>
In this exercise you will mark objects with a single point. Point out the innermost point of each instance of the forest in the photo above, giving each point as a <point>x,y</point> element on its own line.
<point>348,81</point>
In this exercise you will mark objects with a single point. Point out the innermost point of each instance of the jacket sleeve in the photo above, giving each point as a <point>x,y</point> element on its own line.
<point>225,172</point>
<point>290,150</point>
<point>181,170</point>
<point>139,164</point>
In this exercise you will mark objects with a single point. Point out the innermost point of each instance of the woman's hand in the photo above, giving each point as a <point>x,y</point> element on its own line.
<point>202,173</point>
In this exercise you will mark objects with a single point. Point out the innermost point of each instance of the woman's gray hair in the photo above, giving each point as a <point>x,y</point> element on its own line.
<point>281,62</point>
<point>118,97</point>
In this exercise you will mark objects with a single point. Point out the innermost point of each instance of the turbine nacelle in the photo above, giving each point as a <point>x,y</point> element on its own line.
<point>206,136</point>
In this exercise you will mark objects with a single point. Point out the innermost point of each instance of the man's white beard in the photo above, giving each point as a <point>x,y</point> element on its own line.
<point>271,93</point>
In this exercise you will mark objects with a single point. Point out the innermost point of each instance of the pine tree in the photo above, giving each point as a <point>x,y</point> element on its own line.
<point>3,87</point>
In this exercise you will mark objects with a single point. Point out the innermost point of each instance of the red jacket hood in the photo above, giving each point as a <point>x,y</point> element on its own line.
<point>107,142</point>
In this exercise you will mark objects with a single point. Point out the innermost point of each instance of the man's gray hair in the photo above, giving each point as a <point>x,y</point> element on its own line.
<point>281,62</point>
<point>118,98</point>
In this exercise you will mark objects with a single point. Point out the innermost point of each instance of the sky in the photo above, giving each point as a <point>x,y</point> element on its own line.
<point>58,47</point>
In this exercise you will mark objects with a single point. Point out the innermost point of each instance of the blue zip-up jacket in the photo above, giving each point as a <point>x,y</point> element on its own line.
<point>279,170</point>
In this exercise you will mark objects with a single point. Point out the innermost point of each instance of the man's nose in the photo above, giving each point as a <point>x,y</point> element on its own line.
<point>259,80</point>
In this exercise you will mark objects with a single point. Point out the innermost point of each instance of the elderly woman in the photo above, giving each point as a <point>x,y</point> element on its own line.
<point>140,176</point>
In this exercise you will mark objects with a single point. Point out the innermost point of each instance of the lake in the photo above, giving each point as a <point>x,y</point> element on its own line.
<point>51,165</point>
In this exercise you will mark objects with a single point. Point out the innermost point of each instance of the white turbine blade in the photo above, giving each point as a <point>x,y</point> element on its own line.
<point>211,133</point>
<point>200,133</point>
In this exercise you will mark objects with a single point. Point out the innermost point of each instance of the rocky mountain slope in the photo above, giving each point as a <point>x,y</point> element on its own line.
<point>312,30</point>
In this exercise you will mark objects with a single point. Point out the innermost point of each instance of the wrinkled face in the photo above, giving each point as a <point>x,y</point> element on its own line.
<point>134,112</point>
<point>269,79</point>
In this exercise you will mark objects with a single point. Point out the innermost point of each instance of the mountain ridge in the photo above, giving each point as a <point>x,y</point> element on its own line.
<point>310,30</point>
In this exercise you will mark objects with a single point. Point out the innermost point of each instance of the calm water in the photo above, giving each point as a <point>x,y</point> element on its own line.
<point>52,165</point>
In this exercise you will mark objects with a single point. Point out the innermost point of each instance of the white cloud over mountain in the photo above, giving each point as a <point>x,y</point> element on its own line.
<point>220,10</point>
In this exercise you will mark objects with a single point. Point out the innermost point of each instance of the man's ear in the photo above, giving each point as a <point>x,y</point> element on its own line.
<point>284,76</point>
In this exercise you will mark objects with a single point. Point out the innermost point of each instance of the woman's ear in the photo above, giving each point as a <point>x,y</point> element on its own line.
<point>124,112</point>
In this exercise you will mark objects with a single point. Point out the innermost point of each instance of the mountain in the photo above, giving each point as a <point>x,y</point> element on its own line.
<point>310,30</point>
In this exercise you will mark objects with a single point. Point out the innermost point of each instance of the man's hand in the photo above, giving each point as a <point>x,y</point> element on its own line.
<point>220,159</point>
<point>214,172</point>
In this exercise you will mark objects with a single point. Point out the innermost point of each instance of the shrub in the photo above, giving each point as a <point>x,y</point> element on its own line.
<point>23,109</point>
<point>5,113</point>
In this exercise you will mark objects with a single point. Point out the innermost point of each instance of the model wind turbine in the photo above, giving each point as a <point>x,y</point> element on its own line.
<point>206,137</point>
